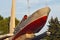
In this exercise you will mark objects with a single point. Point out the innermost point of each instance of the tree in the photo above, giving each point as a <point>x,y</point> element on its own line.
<point>4,25</point>
<point>54,28</point>
<point>16,21</point>
<point>1,18</point>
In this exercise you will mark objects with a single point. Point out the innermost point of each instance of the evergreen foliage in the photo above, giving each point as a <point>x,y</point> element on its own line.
<point>54,28</point>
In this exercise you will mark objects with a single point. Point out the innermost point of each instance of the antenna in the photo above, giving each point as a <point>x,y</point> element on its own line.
<point>28,8</point>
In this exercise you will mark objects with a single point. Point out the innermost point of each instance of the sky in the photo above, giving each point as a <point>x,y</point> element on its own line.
<point>21,8</point>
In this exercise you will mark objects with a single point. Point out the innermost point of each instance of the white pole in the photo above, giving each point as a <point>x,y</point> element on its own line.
<point>12,19</point>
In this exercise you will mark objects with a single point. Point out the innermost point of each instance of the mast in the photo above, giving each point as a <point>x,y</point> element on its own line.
<point>12,19</point>
<point>28,7</point>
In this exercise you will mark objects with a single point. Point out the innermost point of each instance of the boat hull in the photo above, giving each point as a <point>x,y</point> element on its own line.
<point>34,23</point>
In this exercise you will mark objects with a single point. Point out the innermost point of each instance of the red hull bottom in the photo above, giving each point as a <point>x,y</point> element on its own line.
<point>33,27</point>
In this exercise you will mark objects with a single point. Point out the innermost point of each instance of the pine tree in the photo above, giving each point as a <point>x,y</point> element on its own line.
<point>54,28</point>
